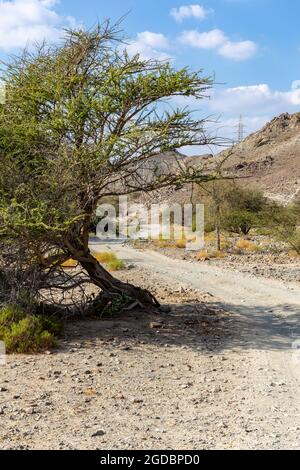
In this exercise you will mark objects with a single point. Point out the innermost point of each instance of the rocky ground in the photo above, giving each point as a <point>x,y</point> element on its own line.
<point>187,379</point>
<point>272,262</point>
<point>270,266</point>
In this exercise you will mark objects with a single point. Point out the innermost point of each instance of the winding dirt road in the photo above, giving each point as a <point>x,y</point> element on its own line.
<point>206,379</point>
<point>263,301</point>
<point>269,313</point>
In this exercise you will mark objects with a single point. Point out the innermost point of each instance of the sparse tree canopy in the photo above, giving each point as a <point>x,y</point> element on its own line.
<point>78,122</point>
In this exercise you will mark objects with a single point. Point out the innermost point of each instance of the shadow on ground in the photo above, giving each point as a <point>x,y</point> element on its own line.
<point>207,327</point>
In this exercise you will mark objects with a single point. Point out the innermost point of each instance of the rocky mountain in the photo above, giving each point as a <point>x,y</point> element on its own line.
<point>269,159</point>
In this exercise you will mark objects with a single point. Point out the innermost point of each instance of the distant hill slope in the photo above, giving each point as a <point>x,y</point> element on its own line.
<point>270,158</point>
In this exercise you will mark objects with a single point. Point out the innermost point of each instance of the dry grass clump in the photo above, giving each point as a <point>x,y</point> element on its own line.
<point>204,255</point>
<point>180,243</point>
<point>218,254</point>
<point>110,259</point>
<point>246,245</point>
<point>163,243</point>
<point>70,263</point>
<point>210,239</point>
<point>170,243</point>
<point>104,256</point>
<point>293,254</point>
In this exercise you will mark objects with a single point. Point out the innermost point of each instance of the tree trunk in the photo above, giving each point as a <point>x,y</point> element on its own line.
<point>112,286</point>
<point>218,229</point>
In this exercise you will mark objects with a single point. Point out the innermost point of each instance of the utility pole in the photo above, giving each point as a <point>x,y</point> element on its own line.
<point>240,130</point>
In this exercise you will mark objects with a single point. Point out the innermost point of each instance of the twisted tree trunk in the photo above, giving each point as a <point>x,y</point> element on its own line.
<point>112,286</point>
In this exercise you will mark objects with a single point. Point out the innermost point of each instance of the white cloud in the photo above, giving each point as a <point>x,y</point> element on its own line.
<point>296,84</point>
<point>242,50</point>
<point>257,103</point>
<point>150,46</point>
<point>26,21</point>
<point>208,40</point>
<point>255,100</point>
<point>157,40</point>
<point>189,11</point>
<point>217,39</point>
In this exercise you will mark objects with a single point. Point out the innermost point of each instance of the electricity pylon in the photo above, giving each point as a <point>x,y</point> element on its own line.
<point>240,130</point>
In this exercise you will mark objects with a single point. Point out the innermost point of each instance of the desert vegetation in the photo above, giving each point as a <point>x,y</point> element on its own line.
<point>78,123</point>
<point>242,226</point>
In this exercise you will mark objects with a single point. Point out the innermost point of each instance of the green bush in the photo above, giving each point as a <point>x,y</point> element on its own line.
<point>26,333</point>
<point>245,199</point>
<point>284,221</point>
<point>294,240</point>
<point>10,314</point>
<point>240,222</point>
<point>230,207</point>
<point>243,209</point>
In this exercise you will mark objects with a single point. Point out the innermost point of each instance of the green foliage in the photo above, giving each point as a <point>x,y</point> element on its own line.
<point>74,116</point>
<point>242,209</point>
<point>284,221</point>
<point>26,333</point>
<point>78,120</point>
<point>117,304</point>
<point>294,240</point>
<point>115,265</point>
<point>240,222</point>
<point>231,207</point>
<point>245,199</point>
<point>110,259</point>
<point>10,314</point>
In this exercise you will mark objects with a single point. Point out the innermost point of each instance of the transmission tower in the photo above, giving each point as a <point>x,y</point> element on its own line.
<point>240,130</point>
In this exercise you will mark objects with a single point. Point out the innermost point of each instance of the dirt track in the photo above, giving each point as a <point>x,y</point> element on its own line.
<point>202,378</point>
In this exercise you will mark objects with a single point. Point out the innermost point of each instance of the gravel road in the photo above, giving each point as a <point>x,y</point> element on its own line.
<point>217,372</point>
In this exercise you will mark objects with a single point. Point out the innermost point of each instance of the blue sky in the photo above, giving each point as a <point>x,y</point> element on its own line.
<point>251,46</point>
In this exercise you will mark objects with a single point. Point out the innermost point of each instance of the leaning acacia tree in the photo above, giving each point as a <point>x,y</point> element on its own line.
<point>78,122</point>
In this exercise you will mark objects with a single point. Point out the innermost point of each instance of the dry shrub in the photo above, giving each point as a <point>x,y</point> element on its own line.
<point>218,254</point>
<point>293,254</point>
<point>246,245</point>
<point>206,256</point>
<point>202,256</point>
<point>180,243</point>
<point>163,243</point>
<point>210,237</point>
<point>225,243</point>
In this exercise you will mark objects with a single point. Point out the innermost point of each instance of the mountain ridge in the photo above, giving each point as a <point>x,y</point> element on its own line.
<point>269,158</point>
